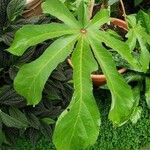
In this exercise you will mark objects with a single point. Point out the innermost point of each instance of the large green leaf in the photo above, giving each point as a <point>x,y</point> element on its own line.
<point>59,10</point>
<point>31,78</point>
<point>31,35</point>
<point>122,96</point>
<point>121,47</point>
<point>78,126</point>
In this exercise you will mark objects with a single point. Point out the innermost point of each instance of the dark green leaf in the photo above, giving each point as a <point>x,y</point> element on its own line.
<point>11,122</point>
<point>17,114</point>
<point>15,8</point>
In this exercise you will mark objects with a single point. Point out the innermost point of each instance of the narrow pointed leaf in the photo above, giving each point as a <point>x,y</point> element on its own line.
<point>60,11</point>
<point>137,34</point>
<point>99,19</point>
<point>78,126</point>
<point>131,41</point>
<point>17,114</point>
<point>144,19</point>
<point>122,96</point>
<point>136,114</point>
<point>145,55</point>
<point>11,122</point>
<point>121,47</point>
<point>146,37</point>
<point>31,78</point>
<point>31,35</point>
<point>147,93</point>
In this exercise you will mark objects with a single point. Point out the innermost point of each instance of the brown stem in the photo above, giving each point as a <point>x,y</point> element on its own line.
<point>91,6</point>
<point>124,12</point>
<point>104,4</point>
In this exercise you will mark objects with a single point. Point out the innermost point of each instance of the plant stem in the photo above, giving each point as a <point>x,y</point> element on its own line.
<point>124,12</point>
<point>91,6</point>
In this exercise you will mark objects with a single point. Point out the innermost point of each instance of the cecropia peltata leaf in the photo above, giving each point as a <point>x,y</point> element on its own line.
<point>32,77</point>
<point>78,126</point>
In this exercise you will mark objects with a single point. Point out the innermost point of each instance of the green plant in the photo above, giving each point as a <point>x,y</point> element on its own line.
<point>137,2</point>
<point>139,41</point>
<point>78,126</point>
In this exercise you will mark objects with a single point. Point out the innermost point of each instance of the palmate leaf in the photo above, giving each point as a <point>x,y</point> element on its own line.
<point>78,126</point>
<point>122,96</point>
<point>32,77</point>
<point>24,37</point>
<point>138,34</point>
<point>59,10</point>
